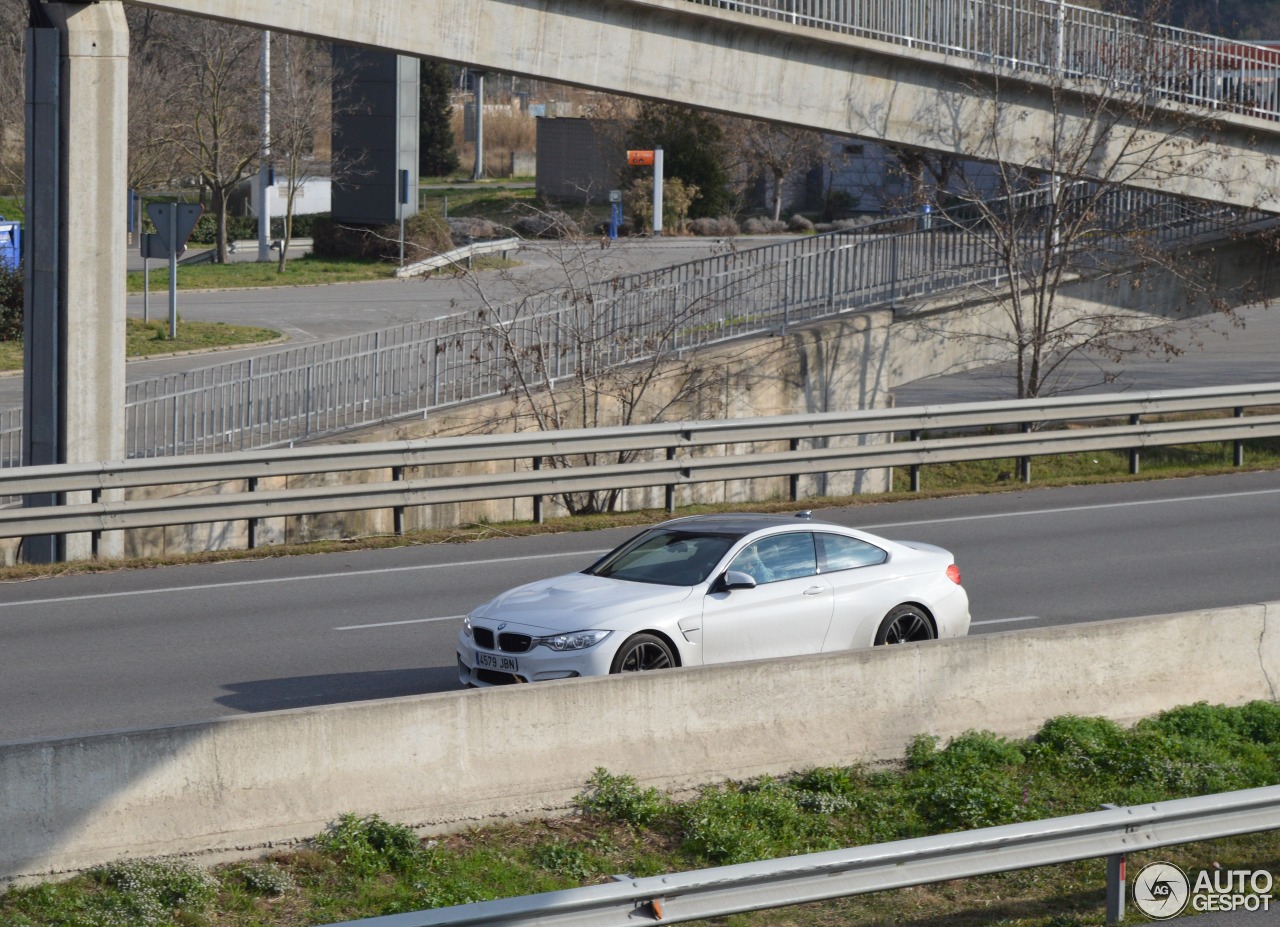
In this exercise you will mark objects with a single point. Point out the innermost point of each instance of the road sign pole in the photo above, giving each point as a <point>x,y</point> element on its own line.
<point>173,271</point>
<point>657,191</point>
<point>146,288</point>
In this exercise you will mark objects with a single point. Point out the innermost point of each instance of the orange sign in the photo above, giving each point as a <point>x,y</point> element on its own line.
<point>640,158</point>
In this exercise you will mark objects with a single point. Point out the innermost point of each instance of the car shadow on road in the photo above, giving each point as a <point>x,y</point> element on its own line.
<point>332,688</point>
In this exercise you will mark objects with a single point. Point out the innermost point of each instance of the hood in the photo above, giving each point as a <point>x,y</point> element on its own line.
<point>578,601</point>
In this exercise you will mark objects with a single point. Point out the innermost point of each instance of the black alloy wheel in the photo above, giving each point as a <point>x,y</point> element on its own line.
<point>642,652</point>
<point>905,624</point>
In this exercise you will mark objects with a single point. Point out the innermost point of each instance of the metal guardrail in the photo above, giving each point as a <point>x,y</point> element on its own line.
<point>324,388</point>
<point>688,896</point>
<point>1046,38</point>
<point>459,256</point>
<point>661,455</point>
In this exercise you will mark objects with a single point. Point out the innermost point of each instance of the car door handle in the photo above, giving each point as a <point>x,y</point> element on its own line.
<point>815,590</point>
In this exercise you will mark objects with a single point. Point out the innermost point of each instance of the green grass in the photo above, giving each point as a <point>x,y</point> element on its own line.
<point>367,866</point>
<point>142,340</point>
<point>1096,467</point>
<point>12,209</point>
<point>302,271</point>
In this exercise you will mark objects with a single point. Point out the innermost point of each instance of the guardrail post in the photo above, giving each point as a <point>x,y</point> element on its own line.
<point>251,526</point>
<point>671,487</point>
<point>915,468</point>
<point>1238,456</point>
<point>537,500</point>
<point>1115,888</point>
<point>397,513</point>
<point>95,537</point>
<point>795,477</point>
<point>1135,457</point>
<point>1024,463</point>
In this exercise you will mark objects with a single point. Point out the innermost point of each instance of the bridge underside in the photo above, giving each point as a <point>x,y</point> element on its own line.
<point>681,52</point>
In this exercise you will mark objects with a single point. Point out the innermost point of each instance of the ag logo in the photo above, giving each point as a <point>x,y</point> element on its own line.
<point>1160,890</point>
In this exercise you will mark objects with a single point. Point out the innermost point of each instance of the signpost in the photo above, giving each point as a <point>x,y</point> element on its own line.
<point>173,222</point>
<point>615,213</point>
<point>645,159</point>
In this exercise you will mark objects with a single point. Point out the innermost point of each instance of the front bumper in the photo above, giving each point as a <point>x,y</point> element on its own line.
<point>478,666</point>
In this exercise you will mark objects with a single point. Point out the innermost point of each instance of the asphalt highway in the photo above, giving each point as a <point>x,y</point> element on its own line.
<point>170,645</point>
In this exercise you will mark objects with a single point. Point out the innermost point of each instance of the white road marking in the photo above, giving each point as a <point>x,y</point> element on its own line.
<point>294,579</point>
<point>388,624</point>
<point>1072,508</point>
<point>974,624</point>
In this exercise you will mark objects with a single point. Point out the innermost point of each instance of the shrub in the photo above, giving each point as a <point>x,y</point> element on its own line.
<point>10,303</point>
<point>371,845</point>
<point>467,228</point>
<point>620,799</point>
<point>799,223</point>
<point>1080,747</point>
<point>425,234</point>
<point>546,225</point>
<point>266,879</point>
<point>725,225</point>
<point>758,226</point>
<point>150,891</point>
<point>741,823</point>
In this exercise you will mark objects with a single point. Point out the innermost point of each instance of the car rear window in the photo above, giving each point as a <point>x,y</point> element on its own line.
<point>845,553</point>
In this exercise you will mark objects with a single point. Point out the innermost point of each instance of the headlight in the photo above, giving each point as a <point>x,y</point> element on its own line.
<point>466,626</point>
<point>575,640</point>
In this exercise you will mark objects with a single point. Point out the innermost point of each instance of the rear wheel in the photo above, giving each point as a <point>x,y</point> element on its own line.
<point>642,652</point>
<point>905,624</point>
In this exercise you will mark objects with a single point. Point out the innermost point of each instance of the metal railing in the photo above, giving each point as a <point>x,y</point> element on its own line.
<point>669,455</point>
<point>319,389</point>
<point>459,256</point>
<point>775,883</point>
<point>1047,38</point>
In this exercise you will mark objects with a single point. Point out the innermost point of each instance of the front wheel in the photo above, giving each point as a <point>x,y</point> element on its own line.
<point>904,624</point>
<point>642,652</point>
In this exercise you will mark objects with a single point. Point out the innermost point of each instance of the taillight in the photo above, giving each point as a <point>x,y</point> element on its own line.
<point>953,574</point>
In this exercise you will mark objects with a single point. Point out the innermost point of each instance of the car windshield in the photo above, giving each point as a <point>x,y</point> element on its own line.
<point>667,557</point>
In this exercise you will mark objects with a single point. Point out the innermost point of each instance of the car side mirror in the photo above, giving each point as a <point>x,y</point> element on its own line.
<point>738,580</point>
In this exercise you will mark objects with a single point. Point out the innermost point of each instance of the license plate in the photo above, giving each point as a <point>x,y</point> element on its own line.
<point>497,662</point>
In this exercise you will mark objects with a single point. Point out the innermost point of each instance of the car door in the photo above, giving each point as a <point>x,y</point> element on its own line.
<point>786,613</point>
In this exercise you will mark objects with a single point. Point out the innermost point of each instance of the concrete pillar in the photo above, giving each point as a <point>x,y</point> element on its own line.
<point>93,209</point>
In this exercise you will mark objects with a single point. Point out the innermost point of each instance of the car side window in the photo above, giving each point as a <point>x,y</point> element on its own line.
<point>845,553</point>
<point>783,556</point>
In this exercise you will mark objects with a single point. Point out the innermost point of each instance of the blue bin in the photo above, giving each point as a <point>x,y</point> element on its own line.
<point>10,244</point>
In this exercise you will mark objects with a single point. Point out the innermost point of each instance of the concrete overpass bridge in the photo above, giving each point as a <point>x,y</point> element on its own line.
<point>978,78</point>
<point>994,80</point>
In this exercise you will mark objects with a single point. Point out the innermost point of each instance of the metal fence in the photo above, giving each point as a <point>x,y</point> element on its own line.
<point>324,388</point>
<point>670,454</point>
<point>1044,37</point>
<point>713,893</point>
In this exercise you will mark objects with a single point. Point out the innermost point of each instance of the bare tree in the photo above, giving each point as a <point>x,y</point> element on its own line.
<point>1072,216</point>
<point>154,100</point>
<point>580,347</point>
<point>301,111</point>
<point>13,22</point>
<point>781,151</point>
<point>218,138</point>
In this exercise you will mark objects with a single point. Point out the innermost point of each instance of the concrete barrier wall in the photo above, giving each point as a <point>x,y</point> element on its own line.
<point>448,760</point>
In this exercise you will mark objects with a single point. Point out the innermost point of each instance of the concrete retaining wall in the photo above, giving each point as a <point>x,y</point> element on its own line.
<point>446,760</point>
